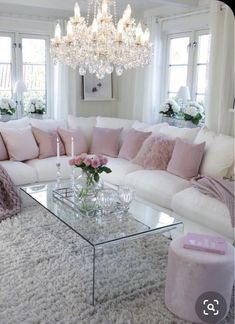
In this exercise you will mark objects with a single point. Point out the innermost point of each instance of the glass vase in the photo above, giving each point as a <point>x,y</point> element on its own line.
<point>86,189</point>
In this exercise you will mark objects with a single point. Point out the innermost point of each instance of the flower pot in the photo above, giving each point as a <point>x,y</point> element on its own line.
<point>5,118</point>
<point>85,194</point>
<point>37,116</point>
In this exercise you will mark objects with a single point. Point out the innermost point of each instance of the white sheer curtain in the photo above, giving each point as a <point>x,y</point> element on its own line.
<point>148,80</point>
<point>221,69</point>
<point>65,89</point>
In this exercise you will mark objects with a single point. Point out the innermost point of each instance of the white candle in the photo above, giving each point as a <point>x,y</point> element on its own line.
<point>72,147</point>
<point>58,150</point>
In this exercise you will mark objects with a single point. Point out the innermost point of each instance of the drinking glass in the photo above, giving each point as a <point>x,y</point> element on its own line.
<point>126,195</point>
<point>106,199</point>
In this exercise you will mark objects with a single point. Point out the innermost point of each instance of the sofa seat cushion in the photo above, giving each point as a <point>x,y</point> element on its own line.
<point>20,173</point>
<point>156,186</point>
<point>120,168</point>
<point>202,209</point>
<point>46,168</point>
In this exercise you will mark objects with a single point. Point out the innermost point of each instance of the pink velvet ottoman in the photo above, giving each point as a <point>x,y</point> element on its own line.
<point>192,273</point>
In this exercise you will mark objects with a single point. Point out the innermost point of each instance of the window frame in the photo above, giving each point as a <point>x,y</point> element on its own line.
<point>192,74</point>
<point>17,62</point>
<point>13,57</point>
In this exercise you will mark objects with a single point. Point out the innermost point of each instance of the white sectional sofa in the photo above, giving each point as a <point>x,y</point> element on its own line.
<point>166,191</point>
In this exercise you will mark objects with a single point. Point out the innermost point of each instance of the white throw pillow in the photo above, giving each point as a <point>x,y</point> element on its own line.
<point>85,124</point>
<point>144,127</point>
<point>20,143</point>
<point>187,134</point>
<point>219,153</point>
<point>47,124</point>
<point>23,122</point>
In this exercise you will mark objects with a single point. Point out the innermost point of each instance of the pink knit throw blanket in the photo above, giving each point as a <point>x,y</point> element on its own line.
<point>220,189</point>
<point>10,202</point>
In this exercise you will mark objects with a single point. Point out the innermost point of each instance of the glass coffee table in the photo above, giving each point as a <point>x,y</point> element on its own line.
<point>98,230</point>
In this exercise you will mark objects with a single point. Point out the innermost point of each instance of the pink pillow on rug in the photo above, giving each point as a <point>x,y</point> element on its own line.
<point>3,150</point>
<point>186,159</point>
<point>47,142</point>
<point>155,153</point>
<point>79,139</point>
<point>20,143</point>
<point>132,144</point>
<point>105,141</point>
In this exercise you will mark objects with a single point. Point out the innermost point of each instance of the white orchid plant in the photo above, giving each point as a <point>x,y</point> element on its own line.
<point>37,106</point>
<point>170,108</point>
<point>7,106</point>
<point>193,112</point>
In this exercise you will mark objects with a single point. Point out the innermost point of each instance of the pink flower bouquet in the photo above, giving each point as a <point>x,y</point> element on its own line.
<point>91,165</point>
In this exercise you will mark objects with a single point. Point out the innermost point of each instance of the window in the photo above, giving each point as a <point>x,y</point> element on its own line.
<point>25,57</point>
<point>187,64</point>
<point>5,66</point>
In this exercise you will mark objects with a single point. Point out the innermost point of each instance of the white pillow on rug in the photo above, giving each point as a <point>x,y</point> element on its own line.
<point>219,153</point>
<point>187,134</point>
<point>23,122</point>
<point>20,143</point>
<point>47,124</point>
<point>85,124</point>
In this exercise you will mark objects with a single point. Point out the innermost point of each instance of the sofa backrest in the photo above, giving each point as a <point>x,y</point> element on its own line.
<point>18,123</point>
<point>86,124</point>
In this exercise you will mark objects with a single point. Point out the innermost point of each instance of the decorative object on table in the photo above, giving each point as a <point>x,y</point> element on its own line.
<point>206,243</point>
<point>19,89</point>
<point>125,195</point>
<point>106,200</point>
<point>105,45</point>
<point>193,112</point>
<point>88,182</point>
<point>170,108</point>
<point>97,90</point>
<point>183,96</point>
<point>37,108</point>
<point>58,164</point>
<point>7,108</point>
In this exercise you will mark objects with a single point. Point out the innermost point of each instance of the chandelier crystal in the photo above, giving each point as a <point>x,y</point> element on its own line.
<point>105,45</point>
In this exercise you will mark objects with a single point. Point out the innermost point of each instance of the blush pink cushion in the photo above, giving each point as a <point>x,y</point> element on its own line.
<point>79,139</point>
<point>105,141</point>
<point>155,153</point>
<point>47,142</point>
<point>132,144</point>
<point>20,143</point>
<point>186,159</point>
<point>3,150</point>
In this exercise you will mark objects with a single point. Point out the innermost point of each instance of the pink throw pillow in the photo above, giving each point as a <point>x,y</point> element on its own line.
<point>79,139</point>
<point>3,151</point>
<point>20,143</point>
<point>105,141</point>
<point>155,153</point>
<point>186,159</point>
<point>132,144</point>
<point>47,142</point>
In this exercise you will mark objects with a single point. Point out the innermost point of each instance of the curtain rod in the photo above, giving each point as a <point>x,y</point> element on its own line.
<point>196,12</point>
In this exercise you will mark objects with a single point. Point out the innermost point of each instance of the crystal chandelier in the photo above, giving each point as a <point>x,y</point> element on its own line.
<point>104,45</point>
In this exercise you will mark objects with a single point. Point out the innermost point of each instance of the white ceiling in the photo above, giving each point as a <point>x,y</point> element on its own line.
<point>63,8</point>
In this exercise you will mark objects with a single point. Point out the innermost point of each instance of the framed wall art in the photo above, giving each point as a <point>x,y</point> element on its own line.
<point>97,90</point>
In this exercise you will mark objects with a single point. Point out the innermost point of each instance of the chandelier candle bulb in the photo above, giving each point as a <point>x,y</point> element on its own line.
<point>139,33</point>
<point>57,150</point>
<point>77,13</point>
<point>57,32</point>
<point>127,13</point>
<point>104,7</point>
<point>69,30</point>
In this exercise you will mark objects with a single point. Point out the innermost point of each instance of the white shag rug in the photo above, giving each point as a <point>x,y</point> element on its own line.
<point>46,276</point>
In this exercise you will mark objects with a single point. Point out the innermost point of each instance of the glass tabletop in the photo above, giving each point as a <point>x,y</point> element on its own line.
<point>101,229</point>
